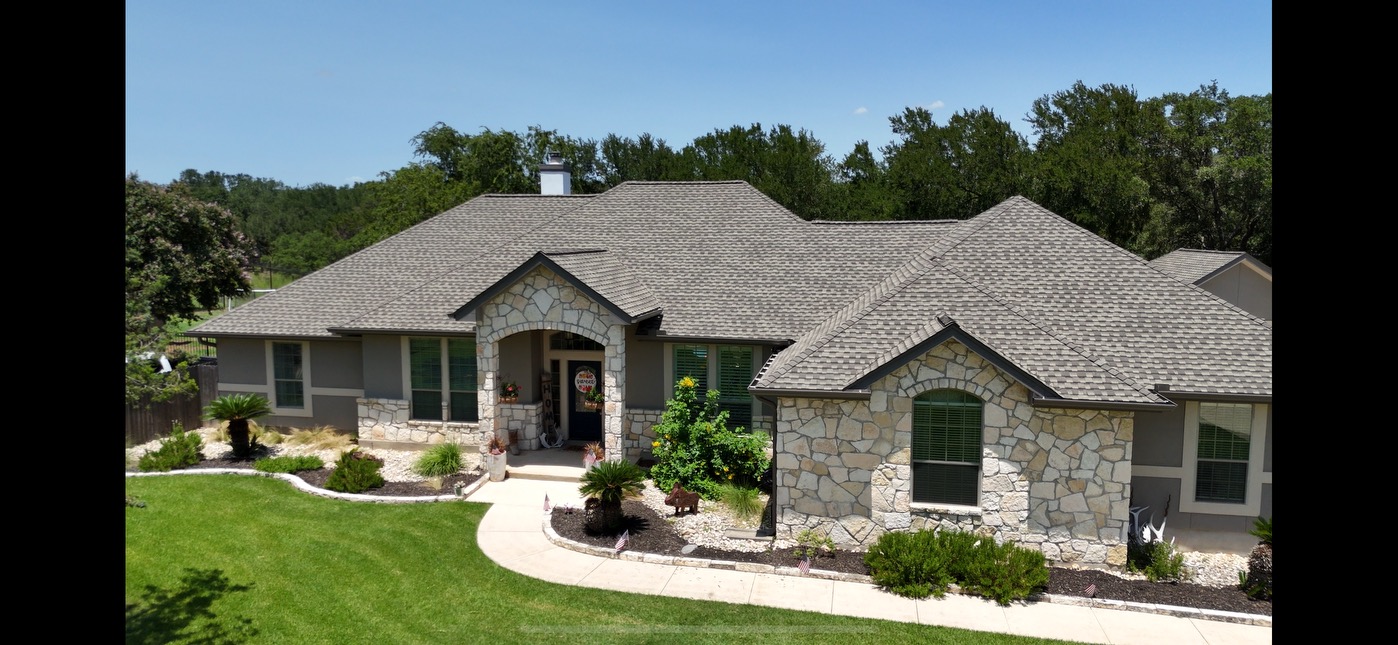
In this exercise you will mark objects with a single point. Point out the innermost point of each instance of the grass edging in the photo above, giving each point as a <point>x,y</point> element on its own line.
<point>301,485</point>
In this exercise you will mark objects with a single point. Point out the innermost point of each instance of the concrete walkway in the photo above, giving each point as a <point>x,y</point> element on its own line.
<point>512,534</point>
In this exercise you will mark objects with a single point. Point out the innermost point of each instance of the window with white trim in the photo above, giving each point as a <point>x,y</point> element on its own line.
<point>1221,470</point>
<point>442,370</point>
<point>288,382</point>
<point>731,367</point>
<point>946,451</point>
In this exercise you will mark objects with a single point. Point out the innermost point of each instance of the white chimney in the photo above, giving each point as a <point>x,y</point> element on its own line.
<point>555,177</point>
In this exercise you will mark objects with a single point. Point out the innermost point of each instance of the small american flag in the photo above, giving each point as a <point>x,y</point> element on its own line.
<point>1091,591</point>
<point>546,503</point>
<point>621,541</point>
<point>804,565</point>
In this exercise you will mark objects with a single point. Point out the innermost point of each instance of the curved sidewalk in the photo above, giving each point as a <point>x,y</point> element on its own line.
<point>512,534</point>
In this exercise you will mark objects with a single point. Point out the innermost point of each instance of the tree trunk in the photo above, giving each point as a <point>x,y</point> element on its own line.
<point>238,436</point>
<point>611,515</point>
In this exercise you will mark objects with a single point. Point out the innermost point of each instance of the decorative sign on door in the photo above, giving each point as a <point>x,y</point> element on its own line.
<point>584,380</point>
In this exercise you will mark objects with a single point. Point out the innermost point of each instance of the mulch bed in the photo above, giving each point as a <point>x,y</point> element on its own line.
<point>650,533</point>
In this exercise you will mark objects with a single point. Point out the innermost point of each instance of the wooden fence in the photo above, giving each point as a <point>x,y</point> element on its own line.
<point>146,423</point>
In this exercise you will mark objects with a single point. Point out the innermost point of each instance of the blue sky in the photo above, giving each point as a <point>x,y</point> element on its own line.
<point>313,91</point>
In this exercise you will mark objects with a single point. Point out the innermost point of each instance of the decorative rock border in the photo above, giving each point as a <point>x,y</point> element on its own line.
<point>704,563</point>
<point>321,492</point>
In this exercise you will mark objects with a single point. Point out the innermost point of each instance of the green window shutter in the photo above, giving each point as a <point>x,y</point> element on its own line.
<point>1225,439</point>
<point>946,447</point>
<point>461,372</point>
<point>425,377</point>
<point>693,361</point>
<point>735,371</point>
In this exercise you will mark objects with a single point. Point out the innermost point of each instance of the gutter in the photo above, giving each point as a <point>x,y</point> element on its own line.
<point>814,394</point>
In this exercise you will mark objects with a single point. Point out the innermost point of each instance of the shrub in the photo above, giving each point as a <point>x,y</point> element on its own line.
<point>239,410</point>
<point>355,472</point>
<point>439,461</point>
<point>1004,572</point>
<point>695,447</point>
<point>1258,582</point>
<point>179,450</point>
<point>610,482</point>
<point>1262,530</point>
<point>810,544</point>
<point>1157,560</point>
<point>908,564</point>
<point>926,563</point>
<point>319,437</point>
<point>744,501</point>
<point>288,464</point>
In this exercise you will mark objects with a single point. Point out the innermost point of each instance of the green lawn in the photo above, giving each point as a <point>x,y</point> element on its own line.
<point>237,559</point>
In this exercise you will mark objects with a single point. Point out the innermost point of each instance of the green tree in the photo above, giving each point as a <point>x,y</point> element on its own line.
<point>644,158</point>
<point>788,165</point>
<point>954,171</point>
<point>238,410</point>
<point>1211,171</point>
<point>182,256</point>
<point>1091,161</point>
<point>861,191</point>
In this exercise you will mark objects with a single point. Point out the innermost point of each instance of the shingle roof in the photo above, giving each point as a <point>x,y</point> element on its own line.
<point>1080,315</point>
<point>325,299</point>
<point>725,260</point>
<point>1194,265</point>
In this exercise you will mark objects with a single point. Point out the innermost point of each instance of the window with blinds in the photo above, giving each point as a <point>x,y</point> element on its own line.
<point>946,450</point>
<point>289,386</point>
<point>729,368</point>
<point>1225,434</point>
<point>734,375</point>
<point>693,361</point>
<point>430,384</point>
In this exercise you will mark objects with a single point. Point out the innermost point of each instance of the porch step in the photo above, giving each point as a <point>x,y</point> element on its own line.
<point>544,472</point>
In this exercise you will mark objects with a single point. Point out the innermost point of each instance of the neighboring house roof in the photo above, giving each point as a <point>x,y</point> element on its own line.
<point>1064,311</point>
<point>1196,266</point>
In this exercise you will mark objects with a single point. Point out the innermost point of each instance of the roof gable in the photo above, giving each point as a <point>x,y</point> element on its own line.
<point>597,273</point>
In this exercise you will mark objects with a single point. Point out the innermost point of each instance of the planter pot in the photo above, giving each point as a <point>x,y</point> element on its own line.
<point>509,399</point>
<point>495,466</point>
<point>592,405</point>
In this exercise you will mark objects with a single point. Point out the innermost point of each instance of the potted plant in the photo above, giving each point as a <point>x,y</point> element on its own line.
<point>509,392</point>
<point>495,458</point>
<point>592,454</point>
<point>594,399</point>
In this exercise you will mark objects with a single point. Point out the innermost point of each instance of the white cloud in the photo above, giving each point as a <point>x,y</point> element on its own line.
<point>861,110</point>
<point>936,105</point>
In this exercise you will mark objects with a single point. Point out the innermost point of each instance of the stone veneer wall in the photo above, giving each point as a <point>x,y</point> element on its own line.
<point>387,420</point>
<point>524,418</point>
<point>639,431</point>
<point>1053,479</point>
<point>542,299</point>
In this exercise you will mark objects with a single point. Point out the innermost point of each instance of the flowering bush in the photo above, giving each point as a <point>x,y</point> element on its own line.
<point>695,447</point>
<point>510,390</point>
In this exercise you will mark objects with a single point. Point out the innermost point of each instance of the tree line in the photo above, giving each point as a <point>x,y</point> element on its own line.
<point>1181,170</point>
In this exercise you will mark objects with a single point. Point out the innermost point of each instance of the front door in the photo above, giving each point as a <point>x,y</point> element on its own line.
<point>583,424</point>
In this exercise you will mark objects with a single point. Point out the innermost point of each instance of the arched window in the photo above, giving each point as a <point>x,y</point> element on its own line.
<point>947,448</point>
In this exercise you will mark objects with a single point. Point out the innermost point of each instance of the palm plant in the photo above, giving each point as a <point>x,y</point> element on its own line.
<point>610,482</point>
<point>238,410</point>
